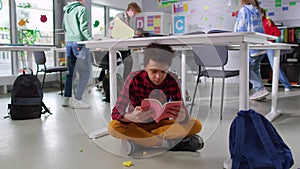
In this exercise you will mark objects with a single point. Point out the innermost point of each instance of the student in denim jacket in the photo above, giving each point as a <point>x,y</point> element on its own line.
<point>271,29</point>
<point>249,20</point>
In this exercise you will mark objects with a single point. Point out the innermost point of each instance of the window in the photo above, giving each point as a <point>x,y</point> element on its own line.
<point>4,24</point>
<point>98,20</point>
<point>5,62</point>
<point>35,22</point>
<point>113,12</point>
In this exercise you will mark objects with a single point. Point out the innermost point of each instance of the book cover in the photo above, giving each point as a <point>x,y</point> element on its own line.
<point>291,35</point>
<point>285,35</point>
<point>121,30</point>
<point>297,35</point>
<point>160,111</point>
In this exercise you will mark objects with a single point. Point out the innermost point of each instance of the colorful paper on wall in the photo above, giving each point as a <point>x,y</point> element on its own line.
<point>153,24</point>
<point>203,15</point>
<point>282,9</point>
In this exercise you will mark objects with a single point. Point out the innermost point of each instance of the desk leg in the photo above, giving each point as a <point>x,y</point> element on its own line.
<point>244,77</point>
<point>112,77</point>
<point>29,59</point>
<point>112,89</point>
<point>274,113</point>
<point>183,75</point>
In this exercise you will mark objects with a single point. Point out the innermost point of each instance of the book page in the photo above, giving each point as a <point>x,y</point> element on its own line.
<point>160,111</point>
<point>121,30</point>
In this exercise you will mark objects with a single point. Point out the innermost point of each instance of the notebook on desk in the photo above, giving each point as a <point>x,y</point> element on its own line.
<point>121,30</point>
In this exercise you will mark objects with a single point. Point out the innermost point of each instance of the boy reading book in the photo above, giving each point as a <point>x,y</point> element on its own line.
<point>160,111</point>
<point>134,123</point>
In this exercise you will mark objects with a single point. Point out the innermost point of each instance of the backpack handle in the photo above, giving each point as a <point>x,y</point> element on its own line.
<point>265,138</point>
<point>27,68</point>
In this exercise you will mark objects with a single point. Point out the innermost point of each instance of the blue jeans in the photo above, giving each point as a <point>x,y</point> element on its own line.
<point>78,61</point>
<point>254,72</point>
<point>282,77</point>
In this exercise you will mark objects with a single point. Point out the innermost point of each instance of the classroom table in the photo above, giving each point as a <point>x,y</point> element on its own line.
<point>276,60</point>
<point>242,39</point>
<point>236,40</point>
<point>28,48</point>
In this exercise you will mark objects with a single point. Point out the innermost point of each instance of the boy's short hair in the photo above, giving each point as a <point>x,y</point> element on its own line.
<point>158,53</point>
<point>135,7</point>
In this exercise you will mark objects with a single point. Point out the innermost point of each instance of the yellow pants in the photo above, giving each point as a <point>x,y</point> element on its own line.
<point>152,134</point>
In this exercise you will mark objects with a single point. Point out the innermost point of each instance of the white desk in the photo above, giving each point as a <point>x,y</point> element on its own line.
<point>236,40</point>
<point>277,47</point>
<point>239,40</point>
<point>28,49</point>
<point>242,39</point>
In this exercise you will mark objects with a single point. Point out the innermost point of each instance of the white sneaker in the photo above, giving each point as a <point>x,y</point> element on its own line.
<point>78,104</point>
<point>259,95</point>
<point>227,163</point>
<point>287,89</point>
<point>65,101</point>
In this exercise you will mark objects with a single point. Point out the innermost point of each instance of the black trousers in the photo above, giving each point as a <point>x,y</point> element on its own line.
<point>126,60</point>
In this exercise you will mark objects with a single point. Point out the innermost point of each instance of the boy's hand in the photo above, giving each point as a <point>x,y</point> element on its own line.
<point>177,113</point>
<point>140,115</point>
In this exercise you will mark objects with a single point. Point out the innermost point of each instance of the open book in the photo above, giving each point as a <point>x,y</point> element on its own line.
<point>121,30</point>
<point>160,111</point>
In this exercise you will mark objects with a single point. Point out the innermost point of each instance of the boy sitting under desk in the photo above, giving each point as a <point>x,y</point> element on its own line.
<point>135,125</point>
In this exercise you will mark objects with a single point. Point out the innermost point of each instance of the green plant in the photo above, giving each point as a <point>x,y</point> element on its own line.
<point>28,36</point>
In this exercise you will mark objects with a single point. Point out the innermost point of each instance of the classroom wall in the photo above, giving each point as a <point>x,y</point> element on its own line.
<point>283,11</point>
<point>122,4</point>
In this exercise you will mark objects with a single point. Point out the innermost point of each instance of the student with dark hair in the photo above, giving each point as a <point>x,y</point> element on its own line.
<point>130,122</point>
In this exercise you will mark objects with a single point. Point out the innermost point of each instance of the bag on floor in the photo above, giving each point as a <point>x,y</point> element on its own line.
<point>26,97</point>
<point>254,143</point>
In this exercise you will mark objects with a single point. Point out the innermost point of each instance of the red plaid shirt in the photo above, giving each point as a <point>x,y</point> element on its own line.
<point>138,86</point>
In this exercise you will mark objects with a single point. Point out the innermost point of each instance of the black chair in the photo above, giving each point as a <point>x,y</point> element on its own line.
<point>211,61</point>
<point>40,60</point>
<point>100,59</point>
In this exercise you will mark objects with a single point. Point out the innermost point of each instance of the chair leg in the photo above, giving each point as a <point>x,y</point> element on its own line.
<point>194,94</point>
<point>43,80</point>
<point>222,98</point>
<point>61,84</point>
<point>212,91</point>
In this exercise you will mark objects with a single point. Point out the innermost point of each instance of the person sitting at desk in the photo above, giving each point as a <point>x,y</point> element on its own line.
<point>133,123</point>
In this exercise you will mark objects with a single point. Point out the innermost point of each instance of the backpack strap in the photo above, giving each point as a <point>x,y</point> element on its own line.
<point>8,111</point>
<point>239,141</point>
<point>265,138</point>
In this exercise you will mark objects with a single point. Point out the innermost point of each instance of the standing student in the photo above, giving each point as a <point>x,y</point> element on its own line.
<point>134,123</point>
<point>126,16</point>
<point>249,20</point>
<point>76,27</point>
<point>271,29</point>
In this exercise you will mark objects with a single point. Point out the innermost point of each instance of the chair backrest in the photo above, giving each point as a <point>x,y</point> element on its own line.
<point>101,58</point>
<point>210,56</point>
<point>39,57</point>
<point>97,57</point>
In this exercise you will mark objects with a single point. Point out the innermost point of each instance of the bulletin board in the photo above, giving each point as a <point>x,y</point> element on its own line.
<point>282,9</point>
<point>189,16</point>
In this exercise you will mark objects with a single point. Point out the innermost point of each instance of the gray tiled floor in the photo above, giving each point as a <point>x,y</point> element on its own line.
<point>60,141</point>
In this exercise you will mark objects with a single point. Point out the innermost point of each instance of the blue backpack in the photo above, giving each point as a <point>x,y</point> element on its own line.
<point>255,144</point>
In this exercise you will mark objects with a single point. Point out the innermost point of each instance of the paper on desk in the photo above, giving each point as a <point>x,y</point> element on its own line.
<point>121,30</point>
